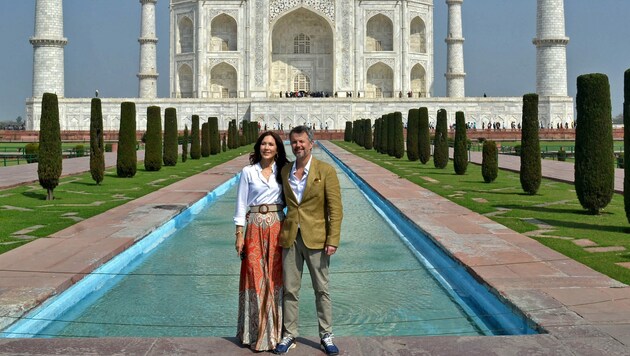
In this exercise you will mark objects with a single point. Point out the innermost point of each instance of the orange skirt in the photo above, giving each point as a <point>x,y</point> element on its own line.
<point>260,288</point>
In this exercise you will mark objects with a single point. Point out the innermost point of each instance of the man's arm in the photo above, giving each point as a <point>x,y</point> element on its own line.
<point>334,207</point>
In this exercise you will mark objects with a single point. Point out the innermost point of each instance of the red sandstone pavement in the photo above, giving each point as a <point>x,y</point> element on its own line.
<point>582,311</point>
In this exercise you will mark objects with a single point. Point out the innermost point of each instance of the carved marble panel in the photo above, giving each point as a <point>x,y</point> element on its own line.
<point>278,7</point>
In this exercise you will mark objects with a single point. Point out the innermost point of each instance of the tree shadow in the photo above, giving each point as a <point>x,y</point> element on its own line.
<point>550,210</point>
<point>579,225</point>
<point>35,195</point>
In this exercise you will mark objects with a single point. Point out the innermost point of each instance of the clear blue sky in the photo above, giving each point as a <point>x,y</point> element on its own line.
<point>500,59</point>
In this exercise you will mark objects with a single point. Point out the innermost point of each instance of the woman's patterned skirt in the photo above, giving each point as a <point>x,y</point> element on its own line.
<point>260,288</point>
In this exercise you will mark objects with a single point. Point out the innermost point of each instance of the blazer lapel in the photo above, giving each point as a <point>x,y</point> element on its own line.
<point>285,178</point>
<point>312,174</point>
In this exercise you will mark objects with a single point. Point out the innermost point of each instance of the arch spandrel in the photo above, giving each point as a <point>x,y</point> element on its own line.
<point>279,8</point>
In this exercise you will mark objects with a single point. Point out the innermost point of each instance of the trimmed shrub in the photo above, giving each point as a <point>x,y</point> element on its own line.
<point>413,118</point>
<point>170,137</point>
<point>49,159</point>
<point>224,143</point>
<point>153,140</point>
<point>399,136</point>
<point>626,142</point>
<point>347,134</point>
<point>594,156</point>
<point>489,161</point>
<point>109,147</point>
<point>97,149</point>
<point>367,135</point>
<point>31,151</point>
<point>185,142</point>
<point>376,137</point>
<point>440,142</point>
<point>424,136</point>
<point>531,170</point>
<point>215,137</point>
<point>205,140</point>
<point>391,128</point>
<point>78,150</point>
<point>460,146</point>
<point>384,134</point>
<point>195,143</point>
<point>126,157</point>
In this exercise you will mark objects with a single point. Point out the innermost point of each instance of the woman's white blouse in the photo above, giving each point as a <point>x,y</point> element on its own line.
<point>254,189</point>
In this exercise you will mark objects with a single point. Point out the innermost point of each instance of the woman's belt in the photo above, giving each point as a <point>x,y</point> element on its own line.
<point>265,208</point>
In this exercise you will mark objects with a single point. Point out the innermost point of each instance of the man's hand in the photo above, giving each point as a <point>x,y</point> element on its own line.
<point>330,250</point>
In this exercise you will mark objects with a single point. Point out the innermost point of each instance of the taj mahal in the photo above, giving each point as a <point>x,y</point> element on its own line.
<point>342,59</point>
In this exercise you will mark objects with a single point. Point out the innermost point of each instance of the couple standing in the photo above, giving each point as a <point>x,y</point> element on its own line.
<point>274,248</point>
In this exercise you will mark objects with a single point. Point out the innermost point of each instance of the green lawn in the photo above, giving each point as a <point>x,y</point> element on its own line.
<point>556,204</point>
<point>78,197</point>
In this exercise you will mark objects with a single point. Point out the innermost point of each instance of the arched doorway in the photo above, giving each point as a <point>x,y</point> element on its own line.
<point>380,81</point>
<point>418,81</point>
<point>223,81</point>
<point>301,53</point>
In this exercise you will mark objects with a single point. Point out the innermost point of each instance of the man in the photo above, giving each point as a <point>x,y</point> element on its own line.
<point>310,233</point>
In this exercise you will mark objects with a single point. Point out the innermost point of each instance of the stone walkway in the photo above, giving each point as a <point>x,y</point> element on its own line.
<point>582,312</point>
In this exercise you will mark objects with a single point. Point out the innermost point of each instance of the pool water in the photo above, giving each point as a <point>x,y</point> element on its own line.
<point>189,285</point>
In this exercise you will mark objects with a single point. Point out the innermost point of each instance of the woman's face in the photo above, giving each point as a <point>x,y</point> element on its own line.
<point>268,148</point>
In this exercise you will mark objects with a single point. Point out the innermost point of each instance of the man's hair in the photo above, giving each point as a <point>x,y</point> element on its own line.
<point>302,129</point>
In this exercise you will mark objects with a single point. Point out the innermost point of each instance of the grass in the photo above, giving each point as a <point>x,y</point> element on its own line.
<point>503,201</point>
<point>78,197</point>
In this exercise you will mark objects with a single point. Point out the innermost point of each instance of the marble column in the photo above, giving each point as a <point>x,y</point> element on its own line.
<point>48,48</point>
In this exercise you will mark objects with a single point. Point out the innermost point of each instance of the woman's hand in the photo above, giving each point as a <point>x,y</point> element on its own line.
<point>240,242</point>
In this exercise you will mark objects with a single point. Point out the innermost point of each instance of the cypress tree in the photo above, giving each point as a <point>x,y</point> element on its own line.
<point>195,143</point>
<point>367,135</point>
<point>347,134</point>
<point>49,164</point>
<point>126,158</point>
<point>224,143</point>
<point>205,140</point>
<point>489,161</point>
<point>626,142</point>
<point>460,149</point>
<point>391,134</point>
<point>594,159</point>
<point>440,142</point>
<point>384,134</point>
<point>170,137</point>
<point>185,144</point>
<point>97,146</point>
<point>531,170</point>
<point>215,138</point>
<point>413,119</point>
<point>153,145</point>
<point>424,136</point>
<point>377,134</point>
<point>399,139</point>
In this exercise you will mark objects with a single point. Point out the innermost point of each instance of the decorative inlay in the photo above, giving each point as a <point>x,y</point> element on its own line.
<point>231,61</point>
<point>259,15</point>
<point>346,33</point>
<point>212,13</point>
<point>371,61</point>
<point>371,13</point>
<point>279,7</point>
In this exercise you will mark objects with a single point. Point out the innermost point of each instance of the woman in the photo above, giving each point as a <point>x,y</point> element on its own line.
<point>259,203</point>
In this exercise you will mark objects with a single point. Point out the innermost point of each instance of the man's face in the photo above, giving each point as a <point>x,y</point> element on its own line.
<point>301,145</point>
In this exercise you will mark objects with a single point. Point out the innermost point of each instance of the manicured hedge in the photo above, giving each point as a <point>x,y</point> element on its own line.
<point>460,146</point>
<point>97,147</point>
<point>440,142</point>
<point>170,137</point>
<point>489,161</point>
<point>413,118</point>
<point>49,164</point>
<point>424,136</point>
<point>153,145</point>
<point>531,170</point>
<point>126,162</point>
<point>195,143</point>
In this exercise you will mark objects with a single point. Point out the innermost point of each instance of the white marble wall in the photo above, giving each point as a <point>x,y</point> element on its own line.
<point>334,112</point>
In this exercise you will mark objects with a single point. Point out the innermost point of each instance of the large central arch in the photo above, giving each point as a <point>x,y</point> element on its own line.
<point>302,44</point>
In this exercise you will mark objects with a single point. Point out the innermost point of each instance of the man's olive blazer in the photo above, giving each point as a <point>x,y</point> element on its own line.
<point>320,212</point>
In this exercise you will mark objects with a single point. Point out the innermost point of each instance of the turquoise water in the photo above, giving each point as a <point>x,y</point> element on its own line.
<point>189,285</point>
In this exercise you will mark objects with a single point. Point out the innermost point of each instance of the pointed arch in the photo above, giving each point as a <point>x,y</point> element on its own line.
<point>185,30</point>
<point>418,79</point>
<point>223,33</point>
<point>185,79</point>
<point>379,34</point>
<point>380,81</point>
<point>418,36</point>
<point>223,81</point>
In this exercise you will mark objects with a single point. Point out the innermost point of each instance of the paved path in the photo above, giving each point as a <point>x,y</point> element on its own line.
<point>581,311</point>
<point>12,176</point>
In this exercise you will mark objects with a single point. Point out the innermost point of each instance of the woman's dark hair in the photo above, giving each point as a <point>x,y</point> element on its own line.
<point>281,156</point>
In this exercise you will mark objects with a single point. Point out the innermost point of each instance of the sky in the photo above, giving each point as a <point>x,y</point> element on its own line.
<point>499,57</point>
